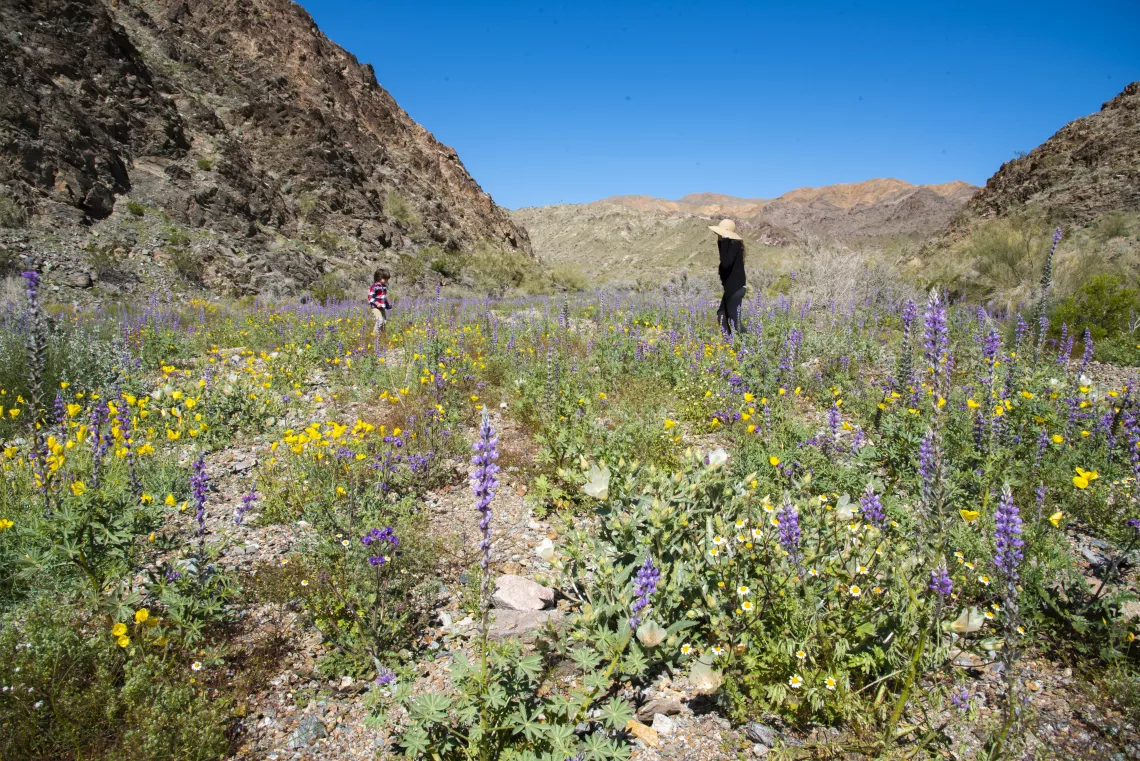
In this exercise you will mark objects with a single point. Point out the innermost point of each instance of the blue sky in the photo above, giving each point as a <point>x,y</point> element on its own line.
<point>570,102</point>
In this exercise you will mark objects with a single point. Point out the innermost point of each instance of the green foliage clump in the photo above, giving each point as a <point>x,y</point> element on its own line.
<point>328,288</point>
<point>75,693</point>
<point>205,164</point>
<point>136,208</point>
<point>12,214</point>
<point>1103,305</point>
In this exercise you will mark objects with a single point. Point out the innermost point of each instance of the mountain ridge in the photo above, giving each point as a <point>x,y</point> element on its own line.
<point>275,148</point>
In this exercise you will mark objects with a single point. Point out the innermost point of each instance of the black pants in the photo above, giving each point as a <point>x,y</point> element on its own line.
<point>728,315</point>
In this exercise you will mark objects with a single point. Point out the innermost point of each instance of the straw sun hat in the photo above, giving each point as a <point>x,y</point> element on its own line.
<point>725,229</point>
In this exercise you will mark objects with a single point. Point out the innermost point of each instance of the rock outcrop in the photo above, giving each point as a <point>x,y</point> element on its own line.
<point>237,118</point>
<point>1090,167</point>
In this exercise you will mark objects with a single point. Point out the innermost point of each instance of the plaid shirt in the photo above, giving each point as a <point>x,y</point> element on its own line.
<point>378,296</point>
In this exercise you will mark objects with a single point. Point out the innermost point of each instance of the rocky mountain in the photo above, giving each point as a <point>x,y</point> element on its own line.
<point>615,238</point>
<point>619,244</point>
<point>230,137</point>
<point>1091,166</point>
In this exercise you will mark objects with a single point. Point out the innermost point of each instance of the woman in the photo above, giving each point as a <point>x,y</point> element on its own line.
<point>731,271</point>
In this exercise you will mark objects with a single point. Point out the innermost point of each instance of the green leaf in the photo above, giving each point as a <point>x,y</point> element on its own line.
<point>617,713</point>
<point>529,667</point>
<point>430,707</point>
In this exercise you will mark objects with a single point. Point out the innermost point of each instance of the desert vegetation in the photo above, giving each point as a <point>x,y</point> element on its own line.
<point>876,513</point>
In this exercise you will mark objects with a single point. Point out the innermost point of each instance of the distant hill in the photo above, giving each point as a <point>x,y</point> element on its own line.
<point>618,237</point>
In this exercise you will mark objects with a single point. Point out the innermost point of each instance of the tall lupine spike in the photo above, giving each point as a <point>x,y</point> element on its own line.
<point>644,585</point>
<point>484,485</point>
<point>872,508</point>
<point>1087,355</point>
<point>199,486</point>
<point>789,535</point>
<point>936,342</point>
<point>1046,286</point>
<point>1007,537</point>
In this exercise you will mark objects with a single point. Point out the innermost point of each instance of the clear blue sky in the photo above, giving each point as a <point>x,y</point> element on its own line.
<point>548,102</point>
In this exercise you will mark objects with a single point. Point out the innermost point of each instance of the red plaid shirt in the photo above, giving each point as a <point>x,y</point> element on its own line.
<point>378,296</point>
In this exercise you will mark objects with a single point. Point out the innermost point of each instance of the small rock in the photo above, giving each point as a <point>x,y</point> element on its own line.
<point>243,465</point>
<point>523,624</point>
<point>310,730</point>
<point>647,735</point>
<point>663,725</point>
<point>658,706</point>
<point>78,280</point>
<point>759,750</point>
<point>761,733</point>
<point>518,593</point>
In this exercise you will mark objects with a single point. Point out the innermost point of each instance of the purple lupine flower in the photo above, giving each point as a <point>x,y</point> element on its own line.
<point>377,536</point>
<point>940,582</point>
<point>1041,493</point>
<point>935,336</point>
<point>926,468</point>
<point>833,420</point>
<point>31,284</point>
<point>60,411</point>
<point>960,697</point>
<point>789,535</point>
<point>872,508</point>
<point>644,585</point>
<point>909,312</point>
<point>1007,536</point>
<point>991,346</point>
<point>1062,357</point>
<point>1088,353</point>
<point>484,485</point>
<point>247,503</point>
<point>385,676</point>
<point>199,485</point>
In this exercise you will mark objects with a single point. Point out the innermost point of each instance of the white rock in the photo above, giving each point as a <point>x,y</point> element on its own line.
<point>519,593</point>
<point>663,724</point>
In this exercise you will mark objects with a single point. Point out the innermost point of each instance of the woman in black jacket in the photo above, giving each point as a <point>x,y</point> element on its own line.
<point>731,271</point>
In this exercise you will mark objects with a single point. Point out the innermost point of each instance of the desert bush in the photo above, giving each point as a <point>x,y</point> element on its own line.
<point>448,264</point>
<point>205,164</point>
<point>136,208</point>
<point>1103,305</point>
<point>399,209</point>
<point>328,288</point>
<point>1007,254</point>
<point>72,692</point>
<point>11,213</point>
<point>1114,225</point>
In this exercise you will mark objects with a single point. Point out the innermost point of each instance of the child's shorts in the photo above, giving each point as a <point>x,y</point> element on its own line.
<point>381,317</point>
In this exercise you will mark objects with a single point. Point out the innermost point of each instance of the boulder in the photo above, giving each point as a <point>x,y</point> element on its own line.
<point>310,730</point>
<point>519,593</point>
<point>523,624</point>
<point>664,706</point>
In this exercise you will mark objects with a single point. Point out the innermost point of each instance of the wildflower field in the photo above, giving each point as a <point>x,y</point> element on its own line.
<point>876,528</point>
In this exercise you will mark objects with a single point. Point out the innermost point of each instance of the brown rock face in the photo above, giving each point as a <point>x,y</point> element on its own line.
<point>1090,167</point>
<point>237,116</point>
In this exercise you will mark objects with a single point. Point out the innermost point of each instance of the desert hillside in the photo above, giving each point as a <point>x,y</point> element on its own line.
<point>269,154</point>
<point>623,238</point>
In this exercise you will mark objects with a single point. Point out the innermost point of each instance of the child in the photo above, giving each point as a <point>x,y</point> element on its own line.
<point>379,303</point>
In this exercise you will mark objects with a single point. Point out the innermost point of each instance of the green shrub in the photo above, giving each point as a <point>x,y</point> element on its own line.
<point>1103,304</point>
<point>400,209</point>
<point>449,265</point>
<point>103,258</point>
<point>569,278</point>
<point>136,208</point>
<point>11,213</point>
<point>328,288</point>
<point>76,694</point>
<point>205,164</point>
<point>1007,254</point>
<point>1114,225</point>
<point>187,263</point>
